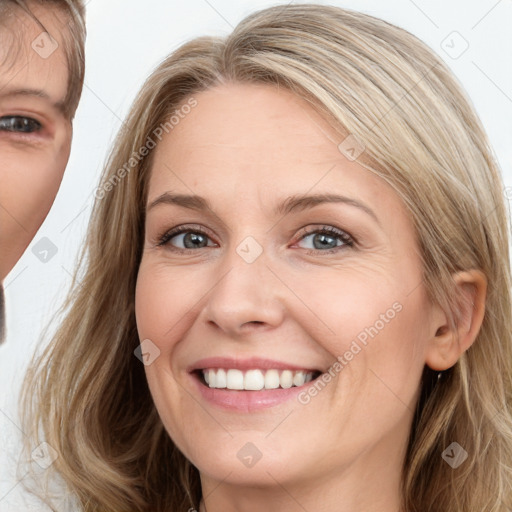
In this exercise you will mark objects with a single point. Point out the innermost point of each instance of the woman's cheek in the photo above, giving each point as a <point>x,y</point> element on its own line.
<point>160,301</point>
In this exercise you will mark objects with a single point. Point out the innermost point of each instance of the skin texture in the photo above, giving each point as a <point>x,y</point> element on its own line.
<point>246,148</point>
<point>33,163</point>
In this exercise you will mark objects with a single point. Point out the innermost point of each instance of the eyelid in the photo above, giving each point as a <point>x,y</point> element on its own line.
<point>326,228</point>
<point>47,117</point>
<point>163,238</point>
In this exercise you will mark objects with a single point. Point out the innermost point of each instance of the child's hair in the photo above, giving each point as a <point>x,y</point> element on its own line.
<point>88,394</point>
<point>74,40</point>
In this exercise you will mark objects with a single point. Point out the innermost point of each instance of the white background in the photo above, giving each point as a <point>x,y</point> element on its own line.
<point>126,40</point>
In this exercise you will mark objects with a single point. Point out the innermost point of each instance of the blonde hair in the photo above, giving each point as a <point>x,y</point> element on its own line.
<point>74,42</point>
<point>88,393</point>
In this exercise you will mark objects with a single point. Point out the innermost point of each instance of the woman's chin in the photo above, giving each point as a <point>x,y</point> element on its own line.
<point>244,462</point>
<point>249,470</point>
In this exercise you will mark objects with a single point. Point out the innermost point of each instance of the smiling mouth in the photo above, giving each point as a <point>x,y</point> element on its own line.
<point>254,380</point>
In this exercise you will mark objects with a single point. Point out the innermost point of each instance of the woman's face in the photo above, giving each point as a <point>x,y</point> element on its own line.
<point>35,135</point>
<point>253,283</point>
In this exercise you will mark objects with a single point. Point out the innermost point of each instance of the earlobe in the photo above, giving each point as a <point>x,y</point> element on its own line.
<point>448,342</point>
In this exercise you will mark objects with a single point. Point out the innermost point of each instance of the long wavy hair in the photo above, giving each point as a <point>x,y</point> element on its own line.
<point>86,394</point>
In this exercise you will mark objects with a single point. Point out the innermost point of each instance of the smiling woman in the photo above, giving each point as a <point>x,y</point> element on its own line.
<point>41,77</point>
<point>326,222</point>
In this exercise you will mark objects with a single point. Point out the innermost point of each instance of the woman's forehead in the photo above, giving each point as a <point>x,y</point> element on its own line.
<point>255,135</point>
<point>261,108</point>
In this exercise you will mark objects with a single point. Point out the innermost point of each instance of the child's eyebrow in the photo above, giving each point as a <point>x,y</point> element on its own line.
<point>57,105</point>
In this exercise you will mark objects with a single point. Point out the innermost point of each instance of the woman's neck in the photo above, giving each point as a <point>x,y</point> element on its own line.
<point>368,494</point>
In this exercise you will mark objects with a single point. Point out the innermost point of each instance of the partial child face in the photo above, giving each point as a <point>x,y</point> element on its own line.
<point>35,135</point>
<point>250,278</point>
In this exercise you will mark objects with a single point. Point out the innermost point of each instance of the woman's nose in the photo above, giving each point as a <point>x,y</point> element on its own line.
<point>248,294</point>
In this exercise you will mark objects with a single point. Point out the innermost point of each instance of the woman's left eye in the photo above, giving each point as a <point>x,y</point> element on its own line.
<point>196,238</point>
<point>324,238</point>
<point>19,124</point>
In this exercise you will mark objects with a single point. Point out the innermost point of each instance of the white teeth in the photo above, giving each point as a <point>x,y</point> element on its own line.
<point>235,379</point>
<point>255,380</point>
<point>221,379</point>
<point>299,379</point>
<point>271,379</point>
<point>286,379</point>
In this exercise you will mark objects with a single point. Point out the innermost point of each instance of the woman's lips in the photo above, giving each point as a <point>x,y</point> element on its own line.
<point>247,364</point>
<point>249,400</point>
<point>244,400</point>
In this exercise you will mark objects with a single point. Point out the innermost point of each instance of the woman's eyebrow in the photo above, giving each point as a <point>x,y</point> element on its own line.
<point>302,202</point>
<point>57,105</point>
<point>292,203</point>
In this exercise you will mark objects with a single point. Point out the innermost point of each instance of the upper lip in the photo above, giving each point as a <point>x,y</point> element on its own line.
<point>251,363</point>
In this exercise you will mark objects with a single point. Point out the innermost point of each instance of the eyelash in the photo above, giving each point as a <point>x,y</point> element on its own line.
<point>348,240</point>
<point>24,119</point>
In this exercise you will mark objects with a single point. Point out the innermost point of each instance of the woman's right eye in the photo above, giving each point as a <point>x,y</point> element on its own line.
<point>194,237</point>
<point>19,124</point>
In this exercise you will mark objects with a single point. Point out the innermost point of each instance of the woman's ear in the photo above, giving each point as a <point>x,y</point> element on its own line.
<point>447,344</point>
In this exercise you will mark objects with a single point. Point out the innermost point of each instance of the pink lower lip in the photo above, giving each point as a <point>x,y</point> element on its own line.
<point>246,401</point>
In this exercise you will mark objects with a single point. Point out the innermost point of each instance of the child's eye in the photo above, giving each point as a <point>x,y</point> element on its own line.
<point>19,124</point>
